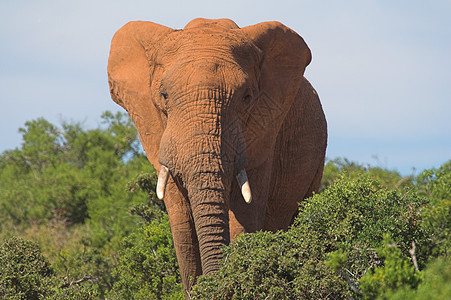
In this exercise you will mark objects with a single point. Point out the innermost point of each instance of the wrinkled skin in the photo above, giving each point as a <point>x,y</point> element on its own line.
<point>209,101</point>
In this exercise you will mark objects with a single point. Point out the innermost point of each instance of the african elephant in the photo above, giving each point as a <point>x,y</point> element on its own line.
<point>214,102</point>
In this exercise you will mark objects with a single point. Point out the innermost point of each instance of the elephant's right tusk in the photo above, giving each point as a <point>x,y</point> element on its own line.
<point>243,182</point>
<point>162,180</point>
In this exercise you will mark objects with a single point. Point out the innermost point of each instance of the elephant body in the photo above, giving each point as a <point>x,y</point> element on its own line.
<point>213,102</point>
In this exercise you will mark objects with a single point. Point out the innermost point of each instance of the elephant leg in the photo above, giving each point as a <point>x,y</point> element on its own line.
<point>283,204</point>
<point>314,186</point>
<point>184,235</point>
<point>316,183</point>
<point>288,190</point>
<point>298,159</point>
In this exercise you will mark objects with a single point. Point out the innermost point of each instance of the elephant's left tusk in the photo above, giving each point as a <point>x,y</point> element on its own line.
<point>162,180</point>
<point>243,182</point>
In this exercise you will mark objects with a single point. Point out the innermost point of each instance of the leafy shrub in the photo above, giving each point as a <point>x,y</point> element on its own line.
<point>270,266</point>
<point>397,279</point>
<point>147,267</point>
<point>72,174</point>
<point>24,272</point>
<point>335,168</point>
<point>435,284</point>
<point>147,264</point>
<point>330,246</point>
<point>64,188</point>
<point>435,184</point>
<point>397,272</point>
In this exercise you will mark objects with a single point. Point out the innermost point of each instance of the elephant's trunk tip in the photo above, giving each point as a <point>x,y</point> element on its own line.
<point>162,181</point>
<point>243,182</point>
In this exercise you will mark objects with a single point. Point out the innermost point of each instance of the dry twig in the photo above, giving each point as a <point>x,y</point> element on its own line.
<point>414,258</point>
<point>85,278</point>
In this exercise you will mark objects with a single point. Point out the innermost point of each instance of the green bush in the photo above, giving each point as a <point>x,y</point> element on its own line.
<point>397,279</point>
<point>64,189</point>
<point>328,249</point>
<point>24,272</point>
<point>147,264</point>
<point>435,284</point>
<point>397,273</point>
<point>335,168</point>
<point>435,184</point>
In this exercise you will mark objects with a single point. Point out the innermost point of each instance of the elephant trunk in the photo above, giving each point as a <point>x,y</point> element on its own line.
<point>207,176</point>
<point>210,214</point>
<point>209,155</point>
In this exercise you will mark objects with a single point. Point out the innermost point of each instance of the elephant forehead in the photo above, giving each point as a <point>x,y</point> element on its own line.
<point>202,39</point>
<point>207,69</point>
<point>210,53</point>
<point>222,24</point>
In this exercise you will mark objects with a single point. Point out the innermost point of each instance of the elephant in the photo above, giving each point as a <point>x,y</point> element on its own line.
<point>235,131</point>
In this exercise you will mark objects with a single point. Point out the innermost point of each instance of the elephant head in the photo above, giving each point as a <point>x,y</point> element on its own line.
<point>208,102</point>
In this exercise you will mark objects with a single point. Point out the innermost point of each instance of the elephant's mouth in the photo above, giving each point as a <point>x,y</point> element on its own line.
<point>243,183</point>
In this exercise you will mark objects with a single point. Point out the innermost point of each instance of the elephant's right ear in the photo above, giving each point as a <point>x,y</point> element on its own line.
<point>129,76</point>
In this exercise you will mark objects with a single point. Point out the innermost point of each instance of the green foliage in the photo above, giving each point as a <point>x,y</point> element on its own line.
<point>24,272</point>
<point>435,184</point>
<point>397,279</point>
<point>435,284</point>
<point>352,216</point>
<point>65,188</point>
<point>329,247</point>
<point>71,173</point>
<point>397,272</point>
<point>147,267</point>
<point>335,168</point>
<point>147,264</point>
<point>85,262</point>
<point>99,236</point>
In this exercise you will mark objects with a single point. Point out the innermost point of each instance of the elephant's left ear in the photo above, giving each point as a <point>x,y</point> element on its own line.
<point>285,56</point>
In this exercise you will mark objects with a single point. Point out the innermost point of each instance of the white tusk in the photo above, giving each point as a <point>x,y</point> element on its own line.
<point>243,182</point>
<point>162,180</point>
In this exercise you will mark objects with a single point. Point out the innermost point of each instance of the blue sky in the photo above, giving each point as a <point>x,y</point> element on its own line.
<point>381,68</point>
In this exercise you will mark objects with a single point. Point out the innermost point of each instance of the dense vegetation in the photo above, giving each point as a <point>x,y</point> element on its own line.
<point>66,190</point>
<point>355,239</point>
<point>79,219</point>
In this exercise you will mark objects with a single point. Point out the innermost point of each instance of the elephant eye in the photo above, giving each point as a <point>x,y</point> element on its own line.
<point>164,103</point>
<point>164,95</point>
<point>163,92</point>
<point>248,95</point>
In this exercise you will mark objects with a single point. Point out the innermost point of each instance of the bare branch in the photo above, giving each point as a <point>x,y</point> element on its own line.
<point>351,284</point>
<point>414,258</point>
<point>85,278</point>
